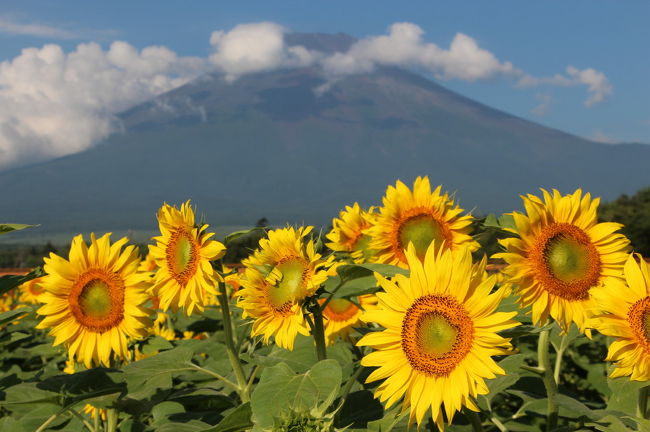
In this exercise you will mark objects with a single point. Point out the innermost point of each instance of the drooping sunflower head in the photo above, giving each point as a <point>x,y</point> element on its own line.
<point>420,217</point>
<point>278,277</point>
<point>561,254</point>
<point>185,278</point>
<point>623,312</point>
<point>349,233</point>
<point>94,301</point>
<point>440,333</point>
<point>341,316</point>
<point>30,291</point>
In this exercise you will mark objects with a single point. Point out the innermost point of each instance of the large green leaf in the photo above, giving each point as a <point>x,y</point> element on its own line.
<point>282,391</point>
<point>624,394</point>
<point>145,377</point>
<point>237,420</point>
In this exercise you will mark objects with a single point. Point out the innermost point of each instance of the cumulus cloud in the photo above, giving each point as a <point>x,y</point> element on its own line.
<point>54,103</point>
<point>255,47</point>
<point>404,46</point>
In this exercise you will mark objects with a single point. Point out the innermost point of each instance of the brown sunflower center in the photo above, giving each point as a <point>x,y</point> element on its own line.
<point>182,256</point>
<point>97,300</point>
<point>35,288</point>
<point>437,334</point>
<point>340,309</point>
<point>566,263</point>
<point>292,285</point>
<point>420,229</point>
<point>639,319</point>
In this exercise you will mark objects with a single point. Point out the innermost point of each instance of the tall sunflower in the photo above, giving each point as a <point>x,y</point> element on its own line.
<point>278,277</point>
<point>31,291</point>
<point>185,278</point>
<point>419,217</point>
<point>349,233</point>
<point>561,254</point>
<point>440,333</point>
<point>342,315</point>
<point>624,313</point>
<point>94,301</point>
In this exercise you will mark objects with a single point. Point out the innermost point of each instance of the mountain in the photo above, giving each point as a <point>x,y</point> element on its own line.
<point>268,146</point>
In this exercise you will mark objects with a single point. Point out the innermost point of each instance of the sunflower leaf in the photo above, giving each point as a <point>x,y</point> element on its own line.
<point>5,228</point>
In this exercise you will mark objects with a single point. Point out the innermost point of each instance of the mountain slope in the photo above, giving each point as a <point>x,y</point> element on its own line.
<point>267,145</point>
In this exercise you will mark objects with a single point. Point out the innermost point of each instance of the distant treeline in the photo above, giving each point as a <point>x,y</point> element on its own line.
<point>632,211</point>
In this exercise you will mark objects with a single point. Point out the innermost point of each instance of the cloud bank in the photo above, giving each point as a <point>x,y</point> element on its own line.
<point>54,103</point>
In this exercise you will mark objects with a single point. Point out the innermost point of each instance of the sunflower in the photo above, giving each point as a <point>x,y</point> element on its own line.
<point>341,316</point>
<point>278,277</point>
<point>440,333</point>
<point>185,277</point>
<point>148,264</point>
<point>349,234</point>
<point>30,291</point>
<point>561,254</point>
<point>94,301</point>
<point>419,217</point>
<point>624,314</point>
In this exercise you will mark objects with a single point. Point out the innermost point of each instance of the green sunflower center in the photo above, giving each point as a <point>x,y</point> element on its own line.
<point>182,254</point>
<point>568,259</point>
<point>362,244</point>
<point>95,299</point>
<point>436,335</point>
<point>291,286</point>
<point>421,230</point>
<point>340,305</point>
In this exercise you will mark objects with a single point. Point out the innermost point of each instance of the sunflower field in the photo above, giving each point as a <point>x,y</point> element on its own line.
<point>396,319</point>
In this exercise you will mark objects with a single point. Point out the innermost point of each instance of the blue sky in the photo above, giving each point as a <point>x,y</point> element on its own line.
<point>540,39</point>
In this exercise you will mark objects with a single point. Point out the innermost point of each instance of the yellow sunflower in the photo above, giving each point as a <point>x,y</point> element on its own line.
<point>440,333</point>
<point>419,217</point>
<point>278,277</point>
<point>185,278</point>
<point>148,264</point>
<point>342,315</point>
<point>561,254</point>
<point>94,301</point>
<point>624,314</point>
<point>30,291</point>
<point>348,233</point>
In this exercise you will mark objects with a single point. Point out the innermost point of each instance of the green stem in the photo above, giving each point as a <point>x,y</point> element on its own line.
<point>549,380</point>
<point>558,358</point>
<point>83,420</point>
<point>112,416</point>
<point>474,419</point>
<point>642,402</point>
<point>499,424</point>
<point>47,423</point>
<point>233,355</point>
<point>319,334</point>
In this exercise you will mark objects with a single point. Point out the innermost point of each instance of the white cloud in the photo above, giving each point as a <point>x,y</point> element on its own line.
<point>12,26</point>
<point>404,46</point>
<point>602,137</point>
<point>545,101</point>
<point>53,103</point>
<point>255,47</point>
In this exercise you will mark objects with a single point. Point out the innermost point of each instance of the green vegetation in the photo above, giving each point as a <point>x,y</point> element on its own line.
<point>633,212</point>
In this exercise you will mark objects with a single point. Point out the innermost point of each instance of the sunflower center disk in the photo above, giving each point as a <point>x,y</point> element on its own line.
<point>421,230</point>
<point>291,287</point>
<point>568,259</point>
<point>361,244</point>
<point>183,254</point>
<point>340,309</point>
<point>437,333</point>
<point>639,319</point>
<point>566,263</point>
<point>436,336</point>
<point>95,299</point>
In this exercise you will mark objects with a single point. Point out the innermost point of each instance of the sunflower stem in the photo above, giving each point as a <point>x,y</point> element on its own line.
<point>558,358</point>
<point>642,402</point>
<point>319,334</point>
<point>474,419</point>
<point>233,355</point>
<point>112,416</point>
<point>47,423</point>
<point>549,379</point>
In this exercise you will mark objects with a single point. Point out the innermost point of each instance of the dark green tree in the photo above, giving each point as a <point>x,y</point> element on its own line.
<point>634,212</point>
